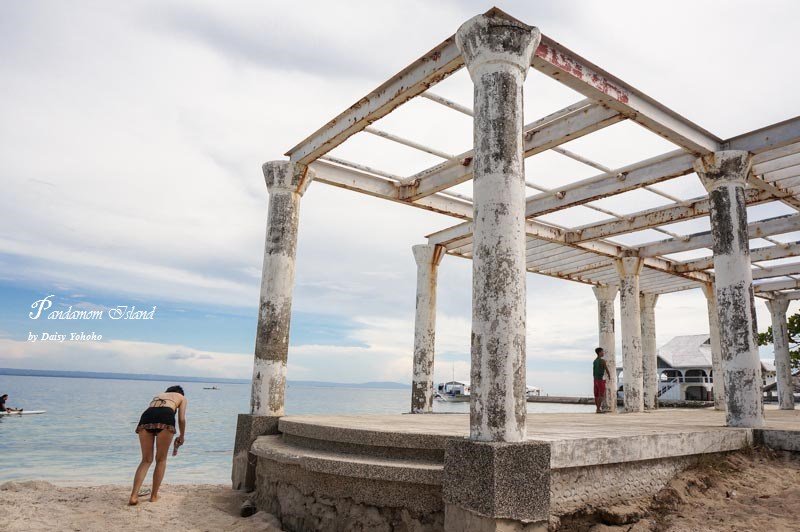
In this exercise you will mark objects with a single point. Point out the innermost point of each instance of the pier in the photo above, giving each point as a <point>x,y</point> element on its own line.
<point>500,468</point>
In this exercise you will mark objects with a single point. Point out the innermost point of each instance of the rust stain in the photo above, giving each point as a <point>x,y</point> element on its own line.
<point>573,67</point>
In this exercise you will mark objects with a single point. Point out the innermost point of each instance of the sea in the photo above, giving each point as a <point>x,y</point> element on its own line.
<point>87,435</point>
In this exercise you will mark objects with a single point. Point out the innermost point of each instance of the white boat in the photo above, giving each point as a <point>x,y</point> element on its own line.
<point>23,413</point>
<point>532,391</point>
<point>452,392</point>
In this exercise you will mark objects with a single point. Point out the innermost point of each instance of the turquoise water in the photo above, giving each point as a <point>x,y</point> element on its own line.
<point>86,436</point>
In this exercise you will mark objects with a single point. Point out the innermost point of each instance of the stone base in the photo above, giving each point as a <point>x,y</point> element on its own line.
<point>306,501</point>
<point>497,481</point>
<point>248,428</point>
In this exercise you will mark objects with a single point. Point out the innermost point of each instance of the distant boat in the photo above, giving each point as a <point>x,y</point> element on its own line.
<point>532,391</point>
<point>452,392</point>
<point>23,413</point>
<point>210,388</point>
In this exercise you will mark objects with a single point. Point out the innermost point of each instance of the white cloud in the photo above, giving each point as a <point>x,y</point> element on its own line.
<point>133,166</point>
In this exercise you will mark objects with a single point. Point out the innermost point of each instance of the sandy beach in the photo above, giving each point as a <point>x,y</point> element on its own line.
<point>756,490</point>
<point>38,505</point>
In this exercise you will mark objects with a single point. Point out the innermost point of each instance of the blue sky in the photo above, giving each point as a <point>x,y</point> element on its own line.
<point>132,144</point>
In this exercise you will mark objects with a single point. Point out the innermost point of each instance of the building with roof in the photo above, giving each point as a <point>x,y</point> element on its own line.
<point>685,370</point>
<point>770,390</point>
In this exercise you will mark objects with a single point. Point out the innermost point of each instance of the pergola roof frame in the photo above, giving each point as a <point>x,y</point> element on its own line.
<point>581,253</point>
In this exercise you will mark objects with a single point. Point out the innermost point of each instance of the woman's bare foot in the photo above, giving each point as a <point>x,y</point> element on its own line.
<point>133,501</point>
<point>154,498</point>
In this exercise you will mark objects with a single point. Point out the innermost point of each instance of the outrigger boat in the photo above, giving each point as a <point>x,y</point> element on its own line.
<point>452,392</point>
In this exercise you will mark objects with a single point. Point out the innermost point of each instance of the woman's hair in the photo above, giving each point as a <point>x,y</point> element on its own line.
<point>176,389</point>
<point>3,396</point>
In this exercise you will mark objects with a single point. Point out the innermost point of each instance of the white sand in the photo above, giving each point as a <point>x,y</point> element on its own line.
<point>37,505</point>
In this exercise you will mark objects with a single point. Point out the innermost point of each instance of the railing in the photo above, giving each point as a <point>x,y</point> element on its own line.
<point>699,379</point>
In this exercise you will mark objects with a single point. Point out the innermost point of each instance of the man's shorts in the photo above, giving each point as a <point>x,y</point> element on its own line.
<point>599,388</point>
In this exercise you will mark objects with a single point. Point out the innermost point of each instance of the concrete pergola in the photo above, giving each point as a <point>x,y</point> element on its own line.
<point>499,228</point>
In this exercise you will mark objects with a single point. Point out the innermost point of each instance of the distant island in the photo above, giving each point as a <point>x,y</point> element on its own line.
<point>181,378</point>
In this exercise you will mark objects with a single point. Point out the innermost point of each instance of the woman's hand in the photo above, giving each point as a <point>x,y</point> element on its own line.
<point>179,440</point>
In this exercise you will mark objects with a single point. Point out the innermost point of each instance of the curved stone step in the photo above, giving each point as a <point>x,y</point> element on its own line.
<point>399,432</point>
<point>332,462</point>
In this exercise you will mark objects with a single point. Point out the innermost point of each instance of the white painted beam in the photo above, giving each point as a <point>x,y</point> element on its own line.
<point>379,187</point>
<point>660,168</point>
<point>791,249</point>
<point>777,271</point>
<point>771,286</point>
<point>769,227</point>
<point>572,70</point>
<point>771,138</point>
<point>690,209</point>
<point>538,138</point>
<point>431,68</point>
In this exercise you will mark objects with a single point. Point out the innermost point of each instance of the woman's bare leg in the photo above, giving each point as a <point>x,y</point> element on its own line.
<point>146,440</point>
<point>163,441</point>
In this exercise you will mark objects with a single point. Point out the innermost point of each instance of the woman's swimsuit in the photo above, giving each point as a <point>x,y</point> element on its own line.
<point>157,417</point>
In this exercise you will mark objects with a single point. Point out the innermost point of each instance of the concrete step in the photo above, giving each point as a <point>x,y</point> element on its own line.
<point>409,470</point>
<point>335,434</point>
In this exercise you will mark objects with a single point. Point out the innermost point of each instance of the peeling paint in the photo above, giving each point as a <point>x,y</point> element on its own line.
<point>724,175</point>
<point>716,349</point>
<point>647,304</point>
<point>571,66</point>
<point>606,338</point>
<point>286,182</point>
<point>428,258</point>
<point>780,341</point>
<point>629,269</point>
<point>497,52</point>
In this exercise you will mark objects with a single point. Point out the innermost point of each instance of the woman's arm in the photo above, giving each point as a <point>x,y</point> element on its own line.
<point>182,419</point>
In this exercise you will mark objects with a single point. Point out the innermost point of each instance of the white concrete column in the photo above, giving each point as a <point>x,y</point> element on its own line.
<point>647,304</point>
<point>497,52</point>
<point>286,183</point>
<point>716,353</point>
<point>780,341</point>
<point>629,269</point>
<point>724,175</point>
<point>606,339</point>
<point>428,259</point>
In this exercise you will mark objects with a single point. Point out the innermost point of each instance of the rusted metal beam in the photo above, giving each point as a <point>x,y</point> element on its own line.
<point>538,138</point>
<point>791,249</point>
<point>771,286</point>
<point>770,138</point>
<point>785,196</point>
<point>415,79</point>
<point>572,70</point>
<point>383,188</point>
<point>661,168</point>
<point>762,228</point>
<point>777,271</point>
<point>690,209</point>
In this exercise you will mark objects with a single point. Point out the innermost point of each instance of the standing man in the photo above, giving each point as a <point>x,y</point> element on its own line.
<point>600,371</point>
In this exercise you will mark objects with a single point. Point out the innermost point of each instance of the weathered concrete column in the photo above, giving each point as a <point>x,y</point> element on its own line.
<point>724,175</point>
<point>716,353</point>
<point>494,480</point>
<point>647,304</point>
<point>497,51</point>
<point>428,258</point>
<point>286,183</point>
<point>629,269</point>
<point>780,340</point>
<point>606,338</point>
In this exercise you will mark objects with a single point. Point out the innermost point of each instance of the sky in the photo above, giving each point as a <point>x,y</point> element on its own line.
<point>133,136</point>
